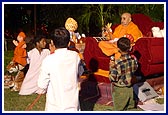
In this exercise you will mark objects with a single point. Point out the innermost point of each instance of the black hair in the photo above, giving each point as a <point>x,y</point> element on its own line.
<point>124,44</point>
<point>61,37</point>
<point>38,38</point>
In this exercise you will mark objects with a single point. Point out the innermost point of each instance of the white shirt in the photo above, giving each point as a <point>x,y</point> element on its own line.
<point>59,73</point>
<point>29,85</point>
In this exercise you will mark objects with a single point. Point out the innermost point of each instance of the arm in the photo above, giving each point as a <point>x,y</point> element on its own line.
<point>110,34</point>
<point>15,42</point>
<point>135,63</point>
<point>116,33</point>
<point>20,44</point>
<point>24,46</point>
<point>52,47</point>
<point>113,70</point>
<point>29,56</point>
<point>44,79</point>
<point>109,30</point>
<point>135,32</point>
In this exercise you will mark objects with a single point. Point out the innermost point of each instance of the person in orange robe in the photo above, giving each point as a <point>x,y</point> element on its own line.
<point>127,28</point>
<point>20,50</point>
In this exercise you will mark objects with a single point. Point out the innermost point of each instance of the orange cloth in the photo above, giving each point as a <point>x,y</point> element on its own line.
<point>20,54</point>
<point>103,73</point>
<point>110,48</point>
<point>132,29</point>
<point>81,56</point>
<point>22,34</point>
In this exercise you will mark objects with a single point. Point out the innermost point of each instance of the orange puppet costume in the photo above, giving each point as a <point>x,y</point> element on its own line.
<point>20,52</point>
<point>120,31</point>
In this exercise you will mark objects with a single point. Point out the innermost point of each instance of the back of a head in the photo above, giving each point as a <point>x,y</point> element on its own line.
<point>61,37</point>
<point>124,44</point>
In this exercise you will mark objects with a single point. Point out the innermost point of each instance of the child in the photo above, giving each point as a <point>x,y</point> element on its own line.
<point>121,72</point>
<point>20,51</point>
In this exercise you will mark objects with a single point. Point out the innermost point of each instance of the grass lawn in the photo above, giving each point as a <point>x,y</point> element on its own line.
<point>15,102</point>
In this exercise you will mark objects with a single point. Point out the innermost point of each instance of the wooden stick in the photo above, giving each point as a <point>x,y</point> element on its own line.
<point>33,103</point>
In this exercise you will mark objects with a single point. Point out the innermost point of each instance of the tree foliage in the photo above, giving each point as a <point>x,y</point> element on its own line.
<point>90,17</point>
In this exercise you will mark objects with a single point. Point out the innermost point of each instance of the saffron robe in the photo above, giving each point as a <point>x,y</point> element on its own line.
<point>110,48</point>
<point>20,54</point>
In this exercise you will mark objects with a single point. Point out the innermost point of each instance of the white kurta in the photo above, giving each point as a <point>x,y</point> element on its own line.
<point>35,59</point>
<point>59,73</point>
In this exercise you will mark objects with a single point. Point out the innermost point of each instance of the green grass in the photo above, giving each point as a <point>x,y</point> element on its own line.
<point>15,102</point>
<point>7,58</point>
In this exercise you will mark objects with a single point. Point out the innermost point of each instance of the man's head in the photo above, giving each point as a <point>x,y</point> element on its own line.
<point>61,37</point>
<point>125,19</point>
<point>40,41</point>
<point>124,44</point>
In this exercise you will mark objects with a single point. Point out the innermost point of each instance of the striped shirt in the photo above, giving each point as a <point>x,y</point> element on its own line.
<point>123,70</point>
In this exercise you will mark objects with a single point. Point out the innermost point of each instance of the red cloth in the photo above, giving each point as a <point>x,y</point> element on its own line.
<point>159,24</point>
<point>150,54</point>
<point>93,56</point>
<point>130,37</point>
<point>149,51</point>
<point>143,22</point>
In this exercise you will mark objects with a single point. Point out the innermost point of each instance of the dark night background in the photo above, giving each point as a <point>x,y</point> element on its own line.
<point>32,18</point>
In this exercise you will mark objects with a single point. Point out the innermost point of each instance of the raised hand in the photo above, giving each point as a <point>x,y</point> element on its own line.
<point>15,42</point>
